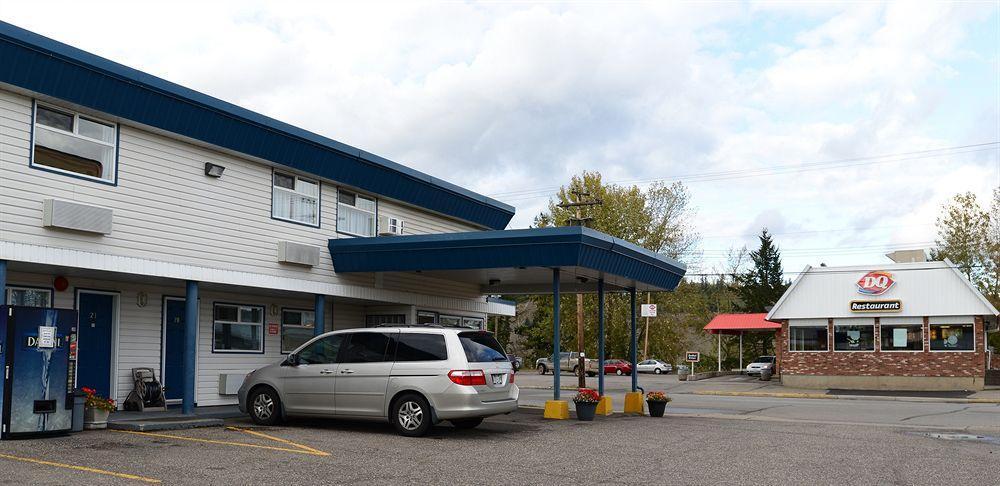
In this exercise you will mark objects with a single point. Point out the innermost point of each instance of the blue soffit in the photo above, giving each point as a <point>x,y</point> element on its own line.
<point>50,68</point>
<point>512,249</point>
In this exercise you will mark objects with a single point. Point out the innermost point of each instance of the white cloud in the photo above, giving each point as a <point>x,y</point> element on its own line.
<point>509,97</point>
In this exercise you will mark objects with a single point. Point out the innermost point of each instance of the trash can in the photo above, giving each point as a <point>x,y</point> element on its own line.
<point>683,372</point>
<point>765,375</point>
<point>79,400</point>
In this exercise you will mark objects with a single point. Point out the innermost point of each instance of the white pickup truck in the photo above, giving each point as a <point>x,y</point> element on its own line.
<point>567,362</point>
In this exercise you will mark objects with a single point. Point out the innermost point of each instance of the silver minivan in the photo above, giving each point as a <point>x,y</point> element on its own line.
<point>414,377</point>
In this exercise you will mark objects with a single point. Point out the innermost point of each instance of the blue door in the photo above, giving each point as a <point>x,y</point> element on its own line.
<point>97,313</point>
<point>173,349</point>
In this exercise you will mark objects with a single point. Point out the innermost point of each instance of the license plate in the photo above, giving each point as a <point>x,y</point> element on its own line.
<point>498,379</point>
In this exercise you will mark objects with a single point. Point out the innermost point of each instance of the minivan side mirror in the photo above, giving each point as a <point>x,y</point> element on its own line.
<point>291,360</point>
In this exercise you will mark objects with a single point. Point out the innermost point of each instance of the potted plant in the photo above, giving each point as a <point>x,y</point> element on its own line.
<point>96,409</point>
<point>657,402</point>
<point>586,404</point>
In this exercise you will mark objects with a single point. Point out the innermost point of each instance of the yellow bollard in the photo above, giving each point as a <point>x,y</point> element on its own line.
<point>556,409</point>
<point>634,403</point>
<point>605,407</point>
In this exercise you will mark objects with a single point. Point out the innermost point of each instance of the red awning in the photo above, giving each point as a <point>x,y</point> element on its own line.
<point>734,323</point>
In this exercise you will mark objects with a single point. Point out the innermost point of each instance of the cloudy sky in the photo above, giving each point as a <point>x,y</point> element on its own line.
<point>841,128</point>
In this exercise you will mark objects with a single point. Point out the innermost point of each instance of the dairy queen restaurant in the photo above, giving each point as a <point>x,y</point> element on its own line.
<point>916,325</point>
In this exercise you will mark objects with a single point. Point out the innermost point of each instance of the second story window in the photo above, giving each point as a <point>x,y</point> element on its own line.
<point>295,199</point>
<point>72,143</point>
<point>355,214</point>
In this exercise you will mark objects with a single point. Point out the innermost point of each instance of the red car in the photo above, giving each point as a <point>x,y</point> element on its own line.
<point>617,367</point>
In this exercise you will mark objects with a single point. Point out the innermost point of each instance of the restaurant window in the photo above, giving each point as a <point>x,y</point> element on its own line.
<point>237,328</point>
<point>355,214</point>
<point>853,337</point>
<point>426,317</point>
<point>473,322</point>
<point>29,297</point>
<point>376,320</point>
<point>75,144</point>
<point>297,327</point>
<point>952,337</point>
<point>811,338</point>
<point>902,337</point>
<point>295,199</point>
<point>450,321</point>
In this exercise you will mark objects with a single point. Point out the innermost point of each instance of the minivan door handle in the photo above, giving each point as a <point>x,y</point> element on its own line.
<point>347,371</point>
<point>326,372</point>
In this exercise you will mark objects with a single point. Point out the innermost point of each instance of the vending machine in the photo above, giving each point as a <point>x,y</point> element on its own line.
<point>35,348</point>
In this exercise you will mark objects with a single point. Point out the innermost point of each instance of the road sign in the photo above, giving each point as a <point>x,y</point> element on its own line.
<point>693,356</point>
<point>647,310</point>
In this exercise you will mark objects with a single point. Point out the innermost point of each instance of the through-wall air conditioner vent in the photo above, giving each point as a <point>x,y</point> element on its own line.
<point>389,226</point>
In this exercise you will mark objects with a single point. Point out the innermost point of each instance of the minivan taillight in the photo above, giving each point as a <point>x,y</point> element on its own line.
<point>467,377</point>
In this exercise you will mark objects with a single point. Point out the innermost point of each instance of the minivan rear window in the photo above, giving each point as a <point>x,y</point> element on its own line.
<point>421,347</point>
<point>481,347</point>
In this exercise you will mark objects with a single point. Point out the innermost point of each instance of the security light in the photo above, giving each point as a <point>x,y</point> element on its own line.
<point>213,170</point>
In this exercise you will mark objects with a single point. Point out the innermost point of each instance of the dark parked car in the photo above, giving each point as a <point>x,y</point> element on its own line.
<point>617,367</point>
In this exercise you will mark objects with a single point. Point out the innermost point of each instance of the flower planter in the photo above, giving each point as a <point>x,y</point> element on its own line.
<point>95,418</point>
<point>585,411</point>
<point>656,408</point>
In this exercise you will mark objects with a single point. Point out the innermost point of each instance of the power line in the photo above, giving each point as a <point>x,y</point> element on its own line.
<point>538,192</point>
<point>824,270</point>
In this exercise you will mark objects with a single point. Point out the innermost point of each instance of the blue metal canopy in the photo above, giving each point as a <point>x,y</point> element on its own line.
<point>514,261</point>
<point>41,65</point>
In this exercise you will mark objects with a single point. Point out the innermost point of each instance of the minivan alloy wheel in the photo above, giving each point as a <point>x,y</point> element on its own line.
<point>263,406</point>
<point>411,415</point>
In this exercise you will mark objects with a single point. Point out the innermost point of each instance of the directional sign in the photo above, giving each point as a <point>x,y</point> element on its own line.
<point>647,310</point>
<point>693,356</point>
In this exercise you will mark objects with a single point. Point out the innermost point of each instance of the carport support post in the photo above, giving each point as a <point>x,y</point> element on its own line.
<point>3,282</point>
<point>190,345</point>
<point>319,311</point>
<point>556,359</point>
<point>741,350</point>
<point>600,336</point>
<point>634,341</point>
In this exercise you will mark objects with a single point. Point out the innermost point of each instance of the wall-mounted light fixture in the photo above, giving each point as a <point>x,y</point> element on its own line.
<point>494,281</point>
<point>213,170</point>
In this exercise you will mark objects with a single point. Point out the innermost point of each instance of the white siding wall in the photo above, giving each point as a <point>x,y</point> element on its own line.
<point>166,209</point>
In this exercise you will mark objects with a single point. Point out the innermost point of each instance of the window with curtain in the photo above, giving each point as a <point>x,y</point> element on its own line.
<point>295,199</point>
<point>355,214</point>
<point>72,143</point>
<point>29,297</point>
<point>238,328</point>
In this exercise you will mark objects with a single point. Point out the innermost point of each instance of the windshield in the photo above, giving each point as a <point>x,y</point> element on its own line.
<point>764,359</point>
<point>481,347</point>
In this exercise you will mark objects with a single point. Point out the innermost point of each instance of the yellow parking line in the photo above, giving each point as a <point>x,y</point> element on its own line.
<point>283,441</point>
<point>81,468</point>
<point>226,442</point>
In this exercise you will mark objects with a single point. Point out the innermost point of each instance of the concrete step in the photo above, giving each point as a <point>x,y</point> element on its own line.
<point>178,423</point>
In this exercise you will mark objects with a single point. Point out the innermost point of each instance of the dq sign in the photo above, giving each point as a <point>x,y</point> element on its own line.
<point>875,283</point>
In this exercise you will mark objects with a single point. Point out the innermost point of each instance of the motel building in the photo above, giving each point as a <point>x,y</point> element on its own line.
<point>204,240</point>
<point>904,326</point>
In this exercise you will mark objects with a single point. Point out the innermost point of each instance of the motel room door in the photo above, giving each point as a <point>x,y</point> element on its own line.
<point>172,375</point>
<point>95,339</point>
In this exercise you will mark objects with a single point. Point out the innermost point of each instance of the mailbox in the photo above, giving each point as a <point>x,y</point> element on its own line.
<point>35,348</point>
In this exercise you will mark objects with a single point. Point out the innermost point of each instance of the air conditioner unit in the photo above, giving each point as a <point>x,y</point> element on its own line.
<point>389,226</point>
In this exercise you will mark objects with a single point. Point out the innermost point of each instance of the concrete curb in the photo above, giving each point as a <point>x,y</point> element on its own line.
<point>166,424</point>
<point>823,396</point>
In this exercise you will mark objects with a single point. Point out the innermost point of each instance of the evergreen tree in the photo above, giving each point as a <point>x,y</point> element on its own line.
<point>763,284</point>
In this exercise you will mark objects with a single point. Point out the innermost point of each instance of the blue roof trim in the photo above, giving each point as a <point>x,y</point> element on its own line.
<point>42,65</point>
<point>537,247</point>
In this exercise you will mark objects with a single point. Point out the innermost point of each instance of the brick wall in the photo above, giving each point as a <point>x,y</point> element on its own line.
<point>878,363</point>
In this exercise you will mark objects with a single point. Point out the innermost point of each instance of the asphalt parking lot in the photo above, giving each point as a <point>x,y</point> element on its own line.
<point>520,448</point>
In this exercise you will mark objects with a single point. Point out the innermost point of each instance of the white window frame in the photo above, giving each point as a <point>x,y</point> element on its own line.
<point>939,324</point>
<point>829,342</point>
<point>357,195</point>
<point>282,326</point>
<point>8,291</point>
<point>239,309</point>
<point>318,197</point>
<point>917,322</point>
<point>113,172</point>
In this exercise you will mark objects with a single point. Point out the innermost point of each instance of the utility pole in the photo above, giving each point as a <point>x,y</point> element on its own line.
<point>578,202</point>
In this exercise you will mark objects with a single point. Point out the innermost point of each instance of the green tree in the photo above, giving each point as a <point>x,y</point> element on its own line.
<point>657,218</point>
<point>760,287</point>
<point>963,229</point>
